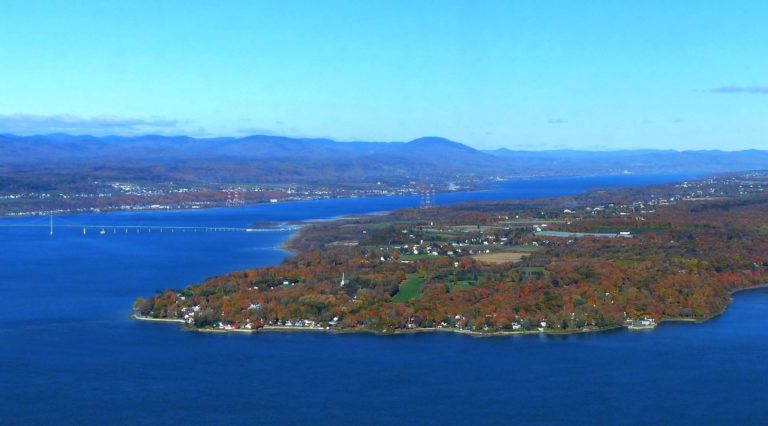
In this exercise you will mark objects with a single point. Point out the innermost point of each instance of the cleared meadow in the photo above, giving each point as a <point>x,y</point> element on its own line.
<point>500,257</point>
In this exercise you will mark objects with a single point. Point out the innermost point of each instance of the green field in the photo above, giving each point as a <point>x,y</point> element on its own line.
<point>410,288</point>
<point>531,272</point>
<point>522,248</point>
<point>416,256</point>
<point>462,285</point>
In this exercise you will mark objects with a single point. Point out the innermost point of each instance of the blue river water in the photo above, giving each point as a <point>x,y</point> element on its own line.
<point>69,354</point>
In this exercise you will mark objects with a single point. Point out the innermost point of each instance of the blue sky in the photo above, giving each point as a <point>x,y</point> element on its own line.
<point>518,74</point>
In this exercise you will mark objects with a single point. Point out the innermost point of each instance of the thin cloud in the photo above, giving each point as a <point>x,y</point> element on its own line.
<point>750,90</point>
<point>30,123</point>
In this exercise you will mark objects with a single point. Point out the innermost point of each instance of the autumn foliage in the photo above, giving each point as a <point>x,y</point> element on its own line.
<point>682,261</point>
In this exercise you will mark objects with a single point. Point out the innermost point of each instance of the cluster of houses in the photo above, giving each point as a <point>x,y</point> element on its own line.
<point>460,323</point>
<point>640,324</point>
<point>713,187</point>
<point>189,313</point>
<point>235,326</point>
<point>469,246</point>
<point>295,323</point>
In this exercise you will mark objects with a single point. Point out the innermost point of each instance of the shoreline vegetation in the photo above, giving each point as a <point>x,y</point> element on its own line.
<point>398,332</point>
<point>591,262</point>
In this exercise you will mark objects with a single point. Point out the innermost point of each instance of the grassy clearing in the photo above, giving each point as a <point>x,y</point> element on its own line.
<point>416,256</point>
<point>410,288</point>
<point>462,285</point>
<point>500,257</point>
<point>523,248</point>
<point>531,272</point>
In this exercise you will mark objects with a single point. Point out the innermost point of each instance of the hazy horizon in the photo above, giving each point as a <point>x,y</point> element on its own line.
<point>521,75</point>
<point>513,149</point>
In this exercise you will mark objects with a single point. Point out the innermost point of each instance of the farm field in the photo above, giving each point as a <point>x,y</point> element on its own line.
<point>500,257</point>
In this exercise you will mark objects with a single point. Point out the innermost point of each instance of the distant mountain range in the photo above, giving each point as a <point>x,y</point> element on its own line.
<point>261,158</point>
<point>68,148</point>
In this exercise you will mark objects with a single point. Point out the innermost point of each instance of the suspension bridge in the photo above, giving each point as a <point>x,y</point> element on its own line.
<point>114,228</point>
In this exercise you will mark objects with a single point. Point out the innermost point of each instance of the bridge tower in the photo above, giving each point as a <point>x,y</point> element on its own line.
<point>235,197</point>
<point>427,197</point>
